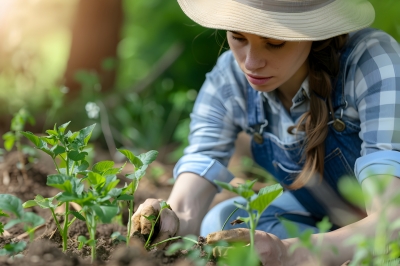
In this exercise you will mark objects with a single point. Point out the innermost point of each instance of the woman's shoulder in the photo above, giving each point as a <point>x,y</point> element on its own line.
<point>373,46</point>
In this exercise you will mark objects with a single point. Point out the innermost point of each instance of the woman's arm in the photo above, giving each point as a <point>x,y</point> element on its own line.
<point>379,206</point>
<point>190,199</point>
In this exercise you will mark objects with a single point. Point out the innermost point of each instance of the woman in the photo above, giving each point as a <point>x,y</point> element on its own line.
<point>320,94</point>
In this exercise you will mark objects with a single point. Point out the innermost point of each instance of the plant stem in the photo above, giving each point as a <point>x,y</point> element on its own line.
<point>56,220</point>
<point>65,231</point>
<point>252,230</point>
<point>130,213</point>
<point>58,169</point>
<point>91,225</point>
<point>229,217</point>
<point>152,229</point>
<point>174,238</point>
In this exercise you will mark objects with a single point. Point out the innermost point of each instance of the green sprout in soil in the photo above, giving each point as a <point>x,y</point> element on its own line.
<point>140,162</point>
<point>255,203</point>
<point>30,221</point>
<point>93,189</point>
<point>12,137</point>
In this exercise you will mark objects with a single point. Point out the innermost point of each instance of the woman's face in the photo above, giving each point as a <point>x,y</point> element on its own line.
<point>270,64</point>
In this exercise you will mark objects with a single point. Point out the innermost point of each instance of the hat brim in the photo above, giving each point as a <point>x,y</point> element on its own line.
<point>336,18</point>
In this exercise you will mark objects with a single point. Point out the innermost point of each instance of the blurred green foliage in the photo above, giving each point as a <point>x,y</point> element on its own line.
<point>161,63</point>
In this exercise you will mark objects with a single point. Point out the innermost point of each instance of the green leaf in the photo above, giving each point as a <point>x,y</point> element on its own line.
<point>96,180</point>
<point>103,166</point>
<point>78,215</point>
<point>77,156</point>
<point>60,181</point>
<point>164,205</point>
<point>44,203</point>
<point>115,192</point>
<point>242,190</point>
<point>68,196</point>
<point>3,214</point>
<point>84,165</point>
<point>148,157</point>
<point>1,228</point>
<point>9,140</point>
<point>85,134</point>
<point>151,217</point>
<point>13,248</point>
<point>61,129</point>
<point>72,136</point>
<point>132,158</point>
<point>49,140</point>
<point>324,225</point>
<point>265,196</point>
<point>125,197</point>
<point>105,212</point>
<point>29,203</point>
<point>139,173</point>
<point>11,204</point>
<point>52,132</point>
<point>57,149</point>
<point>34,139</point>
<point>32,219</point>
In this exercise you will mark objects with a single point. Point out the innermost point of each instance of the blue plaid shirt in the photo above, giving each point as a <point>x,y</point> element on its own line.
<point>372,91</point>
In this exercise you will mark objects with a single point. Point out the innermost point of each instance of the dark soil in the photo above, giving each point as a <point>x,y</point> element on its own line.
<point>46,249</point>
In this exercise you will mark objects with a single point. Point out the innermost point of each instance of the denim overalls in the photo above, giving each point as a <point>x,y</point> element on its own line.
<point>309,204</point>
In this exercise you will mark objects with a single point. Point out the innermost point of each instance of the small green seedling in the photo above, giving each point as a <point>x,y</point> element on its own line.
<point>140,162</point>
<point>255,203</point>
<point>11,249</point>
<point>29,220</point>
<point>93,189</point>
<point>12,137</point>
<point>153,220</point>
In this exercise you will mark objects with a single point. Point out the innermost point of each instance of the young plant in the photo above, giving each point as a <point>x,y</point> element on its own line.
<point>140,162</point>
<point>255,203</point>
<point>94,190</point>
<point>12,137</point>
<point>29,220</point>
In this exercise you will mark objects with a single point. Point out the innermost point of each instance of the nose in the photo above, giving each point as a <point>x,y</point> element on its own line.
<point>254,60</point>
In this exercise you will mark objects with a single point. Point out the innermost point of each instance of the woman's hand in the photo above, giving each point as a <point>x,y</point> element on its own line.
<point>271,250</point>
<point>169,222</point>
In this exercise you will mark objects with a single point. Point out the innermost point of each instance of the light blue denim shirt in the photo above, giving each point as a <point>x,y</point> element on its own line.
<point>372,91</point>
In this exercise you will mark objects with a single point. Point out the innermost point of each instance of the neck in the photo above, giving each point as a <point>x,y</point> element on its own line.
<point>288,90</point>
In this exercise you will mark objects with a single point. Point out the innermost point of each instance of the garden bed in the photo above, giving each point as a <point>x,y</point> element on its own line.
<point>46,249</point>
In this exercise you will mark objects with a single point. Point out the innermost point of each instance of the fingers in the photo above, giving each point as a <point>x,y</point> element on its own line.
<point>169,226</point>
<point>233,235</point>
<point>141,224</point>
<point>145,224</point>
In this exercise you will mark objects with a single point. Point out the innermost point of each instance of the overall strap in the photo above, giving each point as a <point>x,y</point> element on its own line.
<point>255,112</point>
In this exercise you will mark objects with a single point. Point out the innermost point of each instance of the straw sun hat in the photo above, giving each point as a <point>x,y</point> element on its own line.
<point>290,20</point>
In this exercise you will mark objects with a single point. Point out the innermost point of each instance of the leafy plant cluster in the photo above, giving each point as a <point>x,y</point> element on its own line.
<point>93,188</point>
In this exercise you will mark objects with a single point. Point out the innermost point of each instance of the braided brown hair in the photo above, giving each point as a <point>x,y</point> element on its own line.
<point>323,67</point>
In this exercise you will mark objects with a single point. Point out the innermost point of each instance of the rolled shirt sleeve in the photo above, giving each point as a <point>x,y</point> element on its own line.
<point>218,116</point>
<point>377,95</point>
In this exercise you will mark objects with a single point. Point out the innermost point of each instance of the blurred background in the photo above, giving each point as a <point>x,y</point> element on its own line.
<point>132,67</point>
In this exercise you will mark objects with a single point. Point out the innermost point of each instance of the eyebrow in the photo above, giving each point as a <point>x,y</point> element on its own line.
<point>235,32</point>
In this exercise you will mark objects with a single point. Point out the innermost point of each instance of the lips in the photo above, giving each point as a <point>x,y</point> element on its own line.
<point>257,80</point>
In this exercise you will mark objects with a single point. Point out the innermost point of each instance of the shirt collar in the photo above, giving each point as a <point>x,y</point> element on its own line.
<point>301,95</point>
